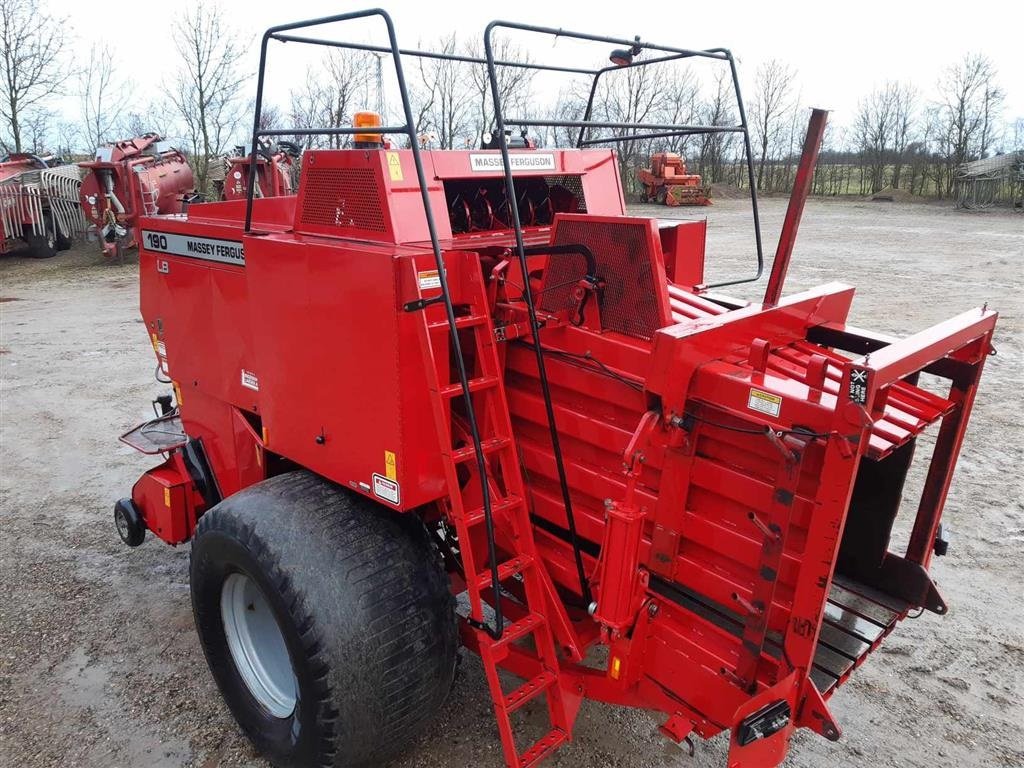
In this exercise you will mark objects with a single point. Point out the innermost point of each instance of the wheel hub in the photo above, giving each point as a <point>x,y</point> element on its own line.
<point>257,645</point>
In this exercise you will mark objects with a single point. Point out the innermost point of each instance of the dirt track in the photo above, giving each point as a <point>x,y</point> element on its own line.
<point>99,663</point>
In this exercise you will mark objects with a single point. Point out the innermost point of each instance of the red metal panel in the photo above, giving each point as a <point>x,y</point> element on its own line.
<point>683,244</point>
<point>338,366</point>
<point>627,250</point>
<point>166,501</point>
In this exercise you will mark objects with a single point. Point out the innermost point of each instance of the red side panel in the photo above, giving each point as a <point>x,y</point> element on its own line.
<point>683,244</point>
<point>342,386</point>
<point>167,501</point>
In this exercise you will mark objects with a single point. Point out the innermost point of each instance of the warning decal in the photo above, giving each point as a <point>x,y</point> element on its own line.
<point>249,380</point>
<point>429,279</point>
<point>385,488</point>
<point>395,166</point>
<point>764,402</point>
<point>389,465</point>
<point>859,385</point>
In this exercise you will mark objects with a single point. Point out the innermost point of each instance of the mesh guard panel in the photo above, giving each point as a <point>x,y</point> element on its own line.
<point>342,197</point>
<point>635,298</point>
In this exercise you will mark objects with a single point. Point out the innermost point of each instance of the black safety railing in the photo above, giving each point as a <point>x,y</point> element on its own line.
<point>284,34</point>
<point>649,130</point>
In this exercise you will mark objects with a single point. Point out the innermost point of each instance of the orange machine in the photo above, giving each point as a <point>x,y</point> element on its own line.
<point>667,182</point>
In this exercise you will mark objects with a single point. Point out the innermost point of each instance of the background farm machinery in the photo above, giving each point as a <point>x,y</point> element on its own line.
<point>438,373</point>
<point>129,179</point>
<point>276,171</point>
<point>668,183</point>
<point>39,207</point>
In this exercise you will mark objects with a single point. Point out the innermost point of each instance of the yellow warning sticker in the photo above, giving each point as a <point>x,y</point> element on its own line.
<point>395,166</point>
<point>764,402</point>
<point>167,497</point>
<point>390,469</point>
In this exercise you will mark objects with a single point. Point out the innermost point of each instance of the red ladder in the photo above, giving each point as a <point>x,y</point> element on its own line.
<point>509,512</point>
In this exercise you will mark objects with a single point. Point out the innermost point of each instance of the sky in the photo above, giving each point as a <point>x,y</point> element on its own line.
<point>839,51</point>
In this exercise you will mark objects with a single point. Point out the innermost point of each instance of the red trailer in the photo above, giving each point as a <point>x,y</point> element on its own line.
<point>129,179</point>
<point>472,374</point>
<point>39,208</point>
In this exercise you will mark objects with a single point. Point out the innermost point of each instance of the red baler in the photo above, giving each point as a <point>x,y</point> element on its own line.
<point>441,374</point>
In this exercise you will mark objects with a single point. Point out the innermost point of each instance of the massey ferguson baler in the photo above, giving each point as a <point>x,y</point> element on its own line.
<point>463,395</point>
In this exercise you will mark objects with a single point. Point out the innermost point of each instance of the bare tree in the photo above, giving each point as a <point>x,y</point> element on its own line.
<point>882,129</point>
<point>35,130</point>
<point>31,42</point>
<point>681,106</point>
<point>570,104</point>
<point>207,90</point>
<point>718,110</point>
<point>969,103</point>
<point>271,117</point>
<point>447,91</point>
<point>103,97</point>
<point>330,96</point>
<point>903,116</point>
<point>772,100</point>
<point>873,127</point>
<point>513,82</point>
<point>630,95</point>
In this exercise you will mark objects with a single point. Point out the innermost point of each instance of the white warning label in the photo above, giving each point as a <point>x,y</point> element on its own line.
<point>384,488</point>
<point>764,402</point>
<point>249,380</point>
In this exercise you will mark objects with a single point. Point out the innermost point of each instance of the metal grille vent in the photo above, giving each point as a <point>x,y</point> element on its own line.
<point>631,303</point>
<point>573,184</point>
<point>342,197</point>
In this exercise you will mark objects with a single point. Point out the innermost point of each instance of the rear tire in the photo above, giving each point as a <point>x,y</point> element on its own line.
<point>63,242</point>
<point>42,246</point>
<point>362,606</point>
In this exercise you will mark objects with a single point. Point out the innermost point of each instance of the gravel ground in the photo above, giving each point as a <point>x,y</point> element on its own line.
<point>99,663</point>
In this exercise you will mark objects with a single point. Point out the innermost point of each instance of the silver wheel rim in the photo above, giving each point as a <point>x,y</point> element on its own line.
<point>257,645</point>
<point>122,525</point>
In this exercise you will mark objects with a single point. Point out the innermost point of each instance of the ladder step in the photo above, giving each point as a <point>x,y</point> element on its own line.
<point>529,690</point>
<point>475,385</point>
<point>506,570</point>
<point>489,446</point>
<point>515,631</point>
<point>467,321</point>
<point>476,516</point>
<point>542,748</point>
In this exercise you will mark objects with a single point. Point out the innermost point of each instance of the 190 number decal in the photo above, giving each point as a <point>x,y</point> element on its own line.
<point>156,241</point>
